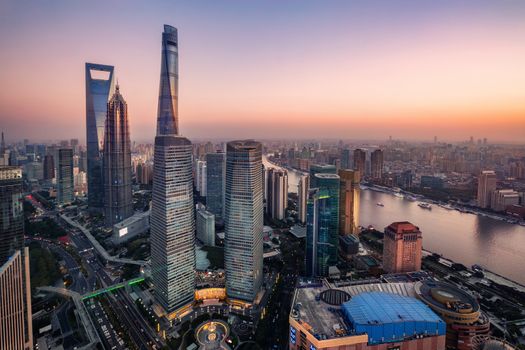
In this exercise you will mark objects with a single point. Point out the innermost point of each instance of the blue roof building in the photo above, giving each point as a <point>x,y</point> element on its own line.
<point>387,317</point>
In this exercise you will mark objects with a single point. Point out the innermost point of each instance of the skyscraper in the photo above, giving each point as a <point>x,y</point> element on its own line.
<point>376,165</point>
<point>215,174</point>
<point>277,193</point>
<point>322,225</point>
<point>49,167</point>
<point>99,89</point>
<point>486,185</point>
<point>349,202</point>
<point>65,187</point>
<point>118,204</point>
<point>172,213</point>
<point>15,299</point>
<point>360,161</point>
<point>402,248</point>
<point>243,244</point>
<point>302,192</point>
<point>16,331</point>
<point>167,112</point>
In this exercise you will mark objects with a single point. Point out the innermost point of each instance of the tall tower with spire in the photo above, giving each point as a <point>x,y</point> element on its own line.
<point>118,204</point>
<point>172,213</point>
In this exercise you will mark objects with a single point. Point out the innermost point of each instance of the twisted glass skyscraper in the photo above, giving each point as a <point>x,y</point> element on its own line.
<point>172,212</point>
<point>118,202</point>
<point>99,89</point>
<point>243,243</point>
<point>167,112</point>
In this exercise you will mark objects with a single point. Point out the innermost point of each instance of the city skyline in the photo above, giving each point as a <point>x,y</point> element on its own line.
<point>451,70</point>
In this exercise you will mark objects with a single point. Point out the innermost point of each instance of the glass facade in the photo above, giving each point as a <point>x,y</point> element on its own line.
<point>118,203</point>
<point>173,223</point>
<point>215,173</point>
<point>322,225</point>
<point>98,93</point>
<point>167,112</point>
<point>243,246</point>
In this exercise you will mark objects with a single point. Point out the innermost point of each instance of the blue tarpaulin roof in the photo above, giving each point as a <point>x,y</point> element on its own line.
<point>387,317</point>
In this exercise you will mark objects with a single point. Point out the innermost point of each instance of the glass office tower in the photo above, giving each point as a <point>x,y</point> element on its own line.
<point>167,112</point>
<point>99,89</point>
<point>243,243</point>
<point>118,203</point>
<point>172,213</point>
<point>322,225</point>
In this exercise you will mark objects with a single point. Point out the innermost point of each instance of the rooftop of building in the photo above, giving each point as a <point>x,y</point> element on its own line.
<point>403,226</point>
<point>330,312</point>
<point>135,217</point>
<point>326,176</point>
<point>369,310</point>
<point>446,297</point>
<point>319,304</point>
<point>203,212</point>
<point>350,238</point>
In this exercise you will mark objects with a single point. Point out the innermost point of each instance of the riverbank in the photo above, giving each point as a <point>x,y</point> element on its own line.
<point>448,206</point>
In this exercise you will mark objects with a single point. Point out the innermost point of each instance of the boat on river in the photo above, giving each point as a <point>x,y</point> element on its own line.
<point>424,205</point>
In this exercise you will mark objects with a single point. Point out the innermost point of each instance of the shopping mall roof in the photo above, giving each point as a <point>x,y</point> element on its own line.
<point>390,317</point>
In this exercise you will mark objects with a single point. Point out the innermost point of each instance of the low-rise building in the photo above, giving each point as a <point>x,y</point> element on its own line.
<point>206,227</point>
<point>131,227</point>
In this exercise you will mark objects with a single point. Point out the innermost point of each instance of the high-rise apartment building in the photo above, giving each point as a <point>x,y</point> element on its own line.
<point>360,161</point>
<point>65,185</point>
<point>49,167</point>
<point>277,193</point>
<point>99,89</point>
<point>486,185</point>
<point>118,197</point>
<point>322,225</point>
<point>16,330</point>
<point>215,174</point>
<point>402,248</point>
<point>376,165</point>
<point>172,213</point>
<point>349,201</point>
<point>200,177</point>
<point>243,218</point>
<point>346,159</point>
<point>302,193</point>
<point>11,212</point>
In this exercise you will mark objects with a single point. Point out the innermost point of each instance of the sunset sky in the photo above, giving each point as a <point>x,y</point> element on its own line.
<point>272,69</point>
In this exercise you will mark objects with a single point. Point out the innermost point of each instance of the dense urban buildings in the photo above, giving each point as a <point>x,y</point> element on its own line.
<point>172,211</point>
<point>215,174</point>
<point>243,245</point>
<point>349,201</point>
<point>302,193</point>
<point>99,89</point>
<point>16,330</point>
<point>402,248</point>
<point>320,169</point>
<point>486,185</point>
<point>65,186</point>
<point>118,204</point>
<point>322,225</point>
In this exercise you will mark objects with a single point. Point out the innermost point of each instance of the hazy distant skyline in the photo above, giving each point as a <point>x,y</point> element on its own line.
<point>273,69</point>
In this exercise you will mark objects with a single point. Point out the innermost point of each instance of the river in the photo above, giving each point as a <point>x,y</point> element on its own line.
<point>465,238</point>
